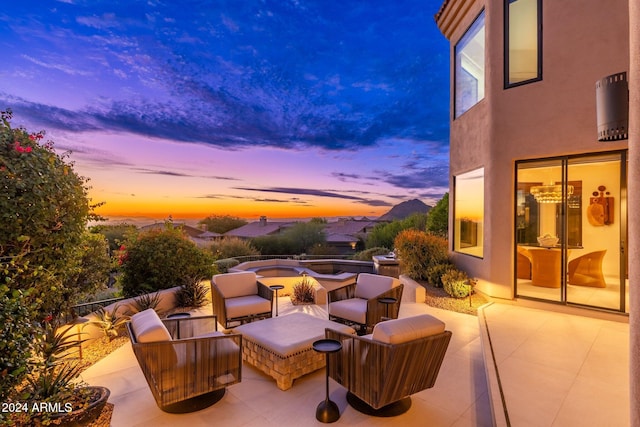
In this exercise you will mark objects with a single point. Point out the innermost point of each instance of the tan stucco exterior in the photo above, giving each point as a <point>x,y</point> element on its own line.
<point>583,41</point>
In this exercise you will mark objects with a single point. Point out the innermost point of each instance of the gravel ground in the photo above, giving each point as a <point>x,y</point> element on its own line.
<point>437,297</point>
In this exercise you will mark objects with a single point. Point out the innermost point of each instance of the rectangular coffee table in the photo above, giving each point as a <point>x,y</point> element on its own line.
<point>281,346</point>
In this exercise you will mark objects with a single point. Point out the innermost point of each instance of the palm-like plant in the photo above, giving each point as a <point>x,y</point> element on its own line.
<point>110,322</point>
<point>55,366</point>
<point>146,301</point>
<point>193,293</point>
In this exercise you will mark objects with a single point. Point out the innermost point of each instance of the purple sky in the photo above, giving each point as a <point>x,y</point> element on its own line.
<point>278,108</point>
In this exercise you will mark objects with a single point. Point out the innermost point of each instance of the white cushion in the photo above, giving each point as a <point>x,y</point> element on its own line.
<point>148,327</point>
<point>246,305</point>
<point>238,284</point>
<point>354,309</point>
<point>371,285</point>
<point>397,331</point>
<point>287,335</point>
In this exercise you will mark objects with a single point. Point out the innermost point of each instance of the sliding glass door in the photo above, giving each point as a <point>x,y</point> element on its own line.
<point>570,230</point>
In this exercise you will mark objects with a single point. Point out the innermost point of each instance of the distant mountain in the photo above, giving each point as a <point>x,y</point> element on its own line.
<point>405,209</point>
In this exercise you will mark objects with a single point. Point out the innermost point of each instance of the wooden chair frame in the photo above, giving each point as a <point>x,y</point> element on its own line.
<point>207,364</point>
<point>220,310</point>
<point>383,376</point>
<point>376,311</point>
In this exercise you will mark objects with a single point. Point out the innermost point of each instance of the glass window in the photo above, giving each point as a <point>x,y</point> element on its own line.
<point>469,213</point>
<point>522,41</point>
<point>469,71</point>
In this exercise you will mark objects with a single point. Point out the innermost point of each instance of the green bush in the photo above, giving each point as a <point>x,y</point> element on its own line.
<point>223,265</point>
<point>368,254</point>
<point>162,259</point>
<point>420,251</point>
<point>435,272</point>
<point>456,283</point>
<point>44,209</point>
<point>232,247</point>
<point>16,344</point>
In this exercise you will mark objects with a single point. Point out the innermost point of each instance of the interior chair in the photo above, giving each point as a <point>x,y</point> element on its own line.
<point>586,270</point>
<point>382,370</point>
<point>545,267</point>
<point>359,303</point>
<point>240,297</point>
<point>189,372</point>
<point>523,263</point>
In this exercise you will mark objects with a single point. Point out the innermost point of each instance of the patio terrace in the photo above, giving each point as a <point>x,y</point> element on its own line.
<point>555,369</point>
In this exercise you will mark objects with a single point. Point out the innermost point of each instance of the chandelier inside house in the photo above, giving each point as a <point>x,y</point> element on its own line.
<point>549,193</point>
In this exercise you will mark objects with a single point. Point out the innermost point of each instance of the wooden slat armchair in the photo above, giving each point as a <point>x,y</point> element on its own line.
<point>381,371</point>
<point>185,373</point>
<point>359,303</point>
<point>240,297</point>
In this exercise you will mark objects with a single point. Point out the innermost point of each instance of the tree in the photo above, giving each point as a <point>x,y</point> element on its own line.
<point>115,233</point>
<point>162,259</point>
<point>44,209</point>
<point>222,223</point>
<point>305,235</point>
<point>438,217</point>
<point>90,267</point>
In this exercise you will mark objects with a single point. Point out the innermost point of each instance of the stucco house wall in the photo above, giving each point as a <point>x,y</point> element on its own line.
<point>582,42</point>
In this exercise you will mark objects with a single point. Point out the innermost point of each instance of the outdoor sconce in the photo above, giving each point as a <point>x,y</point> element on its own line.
<point>612,107</point>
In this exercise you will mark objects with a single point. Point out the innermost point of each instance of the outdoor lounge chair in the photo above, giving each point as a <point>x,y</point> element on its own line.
<point>586,270</point>
<point>380,371</point>
<point>240,297</point>
<point>185,373</point>
<point>360,303</point>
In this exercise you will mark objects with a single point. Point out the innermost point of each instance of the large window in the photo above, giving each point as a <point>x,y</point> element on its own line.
<point>469,71</point>
<point>523,41</point>
<point>469,212</point>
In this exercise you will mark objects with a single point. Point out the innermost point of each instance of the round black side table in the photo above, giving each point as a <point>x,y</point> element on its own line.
<point>327,410</point>
<point>276,288</point>
<point>387,301</point>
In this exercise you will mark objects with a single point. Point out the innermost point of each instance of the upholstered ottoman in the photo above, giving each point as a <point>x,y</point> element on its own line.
<point>281,346</point>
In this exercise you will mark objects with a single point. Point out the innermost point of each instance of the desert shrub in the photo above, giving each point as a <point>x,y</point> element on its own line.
<point>420,251</point>
<point>368,254</point>
<point>111,322</point>
<point>223,265</point>
<point>456,283</point>
<point>147,301</point>
<point>302,291</point>
<point>232,247</point>
<point>435,272</point>
<point>192,293</point>
<point>162,259</point>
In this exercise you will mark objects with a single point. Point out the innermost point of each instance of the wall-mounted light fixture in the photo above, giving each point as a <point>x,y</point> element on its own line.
<point>612,107</point>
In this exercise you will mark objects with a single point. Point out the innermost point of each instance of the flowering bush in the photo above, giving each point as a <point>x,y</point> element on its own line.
<point>44,210</point>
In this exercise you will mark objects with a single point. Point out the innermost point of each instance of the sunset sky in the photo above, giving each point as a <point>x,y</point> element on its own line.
<point>284,108</point>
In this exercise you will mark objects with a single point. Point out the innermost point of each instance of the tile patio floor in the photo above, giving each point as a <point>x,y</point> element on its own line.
<point>554,369</point>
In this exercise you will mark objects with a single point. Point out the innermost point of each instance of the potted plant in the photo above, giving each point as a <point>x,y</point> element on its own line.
<point>303,292</point>
<point>53,395</point>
